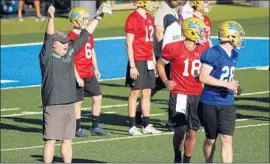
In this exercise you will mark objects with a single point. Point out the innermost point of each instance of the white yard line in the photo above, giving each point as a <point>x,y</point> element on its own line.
<point>120,138</point>
<point>110,106</point>
<point>111,79</point>
<point>114,38</point>
<point>9,109</point>
<point>254,93</point>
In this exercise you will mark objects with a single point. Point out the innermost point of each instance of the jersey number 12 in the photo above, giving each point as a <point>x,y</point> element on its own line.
<point>149,29</point>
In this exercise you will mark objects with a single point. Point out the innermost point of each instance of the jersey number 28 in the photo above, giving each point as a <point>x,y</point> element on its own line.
<point>228,73</point>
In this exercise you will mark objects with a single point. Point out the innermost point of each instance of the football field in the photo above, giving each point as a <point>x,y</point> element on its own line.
<point>21,111</point>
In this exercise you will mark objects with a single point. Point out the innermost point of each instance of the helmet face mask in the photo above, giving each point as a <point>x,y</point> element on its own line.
<point>233,32</point>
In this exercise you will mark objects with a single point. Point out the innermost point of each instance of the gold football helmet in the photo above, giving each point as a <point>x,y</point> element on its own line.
<point>194,29</point>
<point>232,31</point>
<point>79,17</point>
<point>144,4</point>
<point>202,5</point>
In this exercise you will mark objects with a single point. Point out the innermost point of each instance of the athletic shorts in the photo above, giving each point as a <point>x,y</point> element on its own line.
<point>159,83</point>
<point>184,110</point>
<point>146,78</point>
<point>218,119</point>
<point>91,88</point>
<point>59,122</point>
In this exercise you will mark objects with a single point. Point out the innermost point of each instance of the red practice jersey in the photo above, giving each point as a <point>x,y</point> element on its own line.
<point>83,58</point>
<point>208,24</point>
<point>185,66</point>
<point>143,30</point>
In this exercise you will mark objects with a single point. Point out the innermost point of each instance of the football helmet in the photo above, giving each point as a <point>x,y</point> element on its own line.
<point>194,29</point>
<point>144,4</point>
<point>79,17</point>
<point>233,32</point>
<point>202,5</point>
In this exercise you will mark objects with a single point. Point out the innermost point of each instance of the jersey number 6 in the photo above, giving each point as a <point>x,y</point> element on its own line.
<point>88,51</point>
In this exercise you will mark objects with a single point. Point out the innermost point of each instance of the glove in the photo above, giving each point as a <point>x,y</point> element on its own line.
<point>239,91</point>
<point>104,8</point>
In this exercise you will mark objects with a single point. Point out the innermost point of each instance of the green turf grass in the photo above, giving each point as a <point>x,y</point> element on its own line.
<point>254,20</point>
<point>26,131</point>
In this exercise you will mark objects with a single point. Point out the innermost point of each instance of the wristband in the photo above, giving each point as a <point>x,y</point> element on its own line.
<point>165,81</point>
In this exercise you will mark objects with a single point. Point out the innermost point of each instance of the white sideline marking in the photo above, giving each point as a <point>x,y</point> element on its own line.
<point>121,138</point>
<point>33,86</point>
<point>120,78</point>
<point>254,93</point>
<point>9,109</point>
<point>113,106</point>
<point>8,81</point>
<point>113,38</point>
<point>108,106</point>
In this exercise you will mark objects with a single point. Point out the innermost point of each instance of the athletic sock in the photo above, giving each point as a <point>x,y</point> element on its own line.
<point>186,159</point>
<point>146,121</point>
<point>138,117</point>
<point>177,156</point>
<point>131,122</point>
<point>95,120</point>
<point>78,124</point>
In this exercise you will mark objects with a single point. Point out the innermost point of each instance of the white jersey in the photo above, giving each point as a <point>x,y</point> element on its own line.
<point>172,34</point>
<point>186,11</point>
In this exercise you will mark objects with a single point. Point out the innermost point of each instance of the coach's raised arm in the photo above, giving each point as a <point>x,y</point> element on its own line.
<point>58,41</point>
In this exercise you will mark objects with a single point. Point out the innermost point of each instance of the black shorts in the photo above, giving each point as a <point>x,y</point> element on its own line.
<point>146,80</point>
<point>159,83</point>
<point>91,88</point>
<point>218,119</point>
<point>189,113</point>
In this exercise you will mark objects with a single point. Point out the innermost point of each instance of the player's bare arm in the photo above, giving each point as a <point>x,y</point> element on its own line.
<point>50,25</point>
<point>78,78</point>
<point>129,42</point>
<point>159,32</point>
<point>94,59</point>
<point>162,74</point>
<point>206,78</point>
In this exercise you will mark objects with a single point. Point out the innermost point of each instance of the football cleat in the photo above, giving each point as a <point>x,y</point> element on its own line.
<point>98,131</point>
<point>150,130</point>
<point>81,133</point>
<point>134,131</point>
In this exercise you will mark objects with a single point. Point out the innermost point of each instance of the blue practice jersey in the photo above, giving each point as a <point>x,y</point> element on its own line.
<point>223,69</point>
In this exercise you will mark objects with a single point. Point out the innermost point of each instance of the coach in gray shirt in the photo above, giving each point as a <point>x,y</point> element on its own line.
<point>59,87</point>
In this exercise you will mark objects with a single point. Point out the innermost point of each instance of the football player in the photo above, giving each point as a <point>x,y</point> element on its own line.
<point>141,67</point>
<point>190,8</point>
<point>87,73</point>
<point>200,8</point>
<point>218,65</point>
<point>163,17</point>
<point>185,88</point>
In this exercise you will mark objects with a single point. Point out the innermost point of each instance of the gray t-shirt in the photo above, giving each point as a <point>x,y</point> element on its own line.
<point>58,76</point>
<point>163,17</point>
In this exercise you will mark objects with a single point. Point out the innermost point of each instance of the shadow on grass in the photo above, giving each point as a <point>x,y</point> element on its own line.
<point>57,159</point>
